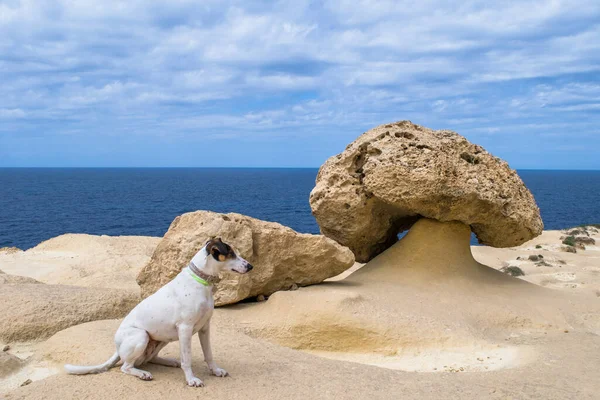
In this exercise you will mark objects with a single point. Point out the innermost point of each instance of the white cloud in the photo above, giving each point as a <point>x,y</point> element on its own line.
<point>12,113</point>
<point>282,82</point>
<point>150,66</point>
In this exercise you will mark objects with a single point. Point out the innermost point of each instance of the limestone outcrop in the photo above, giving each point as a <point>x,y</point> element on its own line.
<point>396,173</point>
<point>32,311</point>
<point>282,257</point>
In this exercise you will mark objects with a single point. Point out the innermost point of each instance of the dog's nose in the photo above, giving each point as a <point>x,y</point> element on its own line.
<point>249,267</point>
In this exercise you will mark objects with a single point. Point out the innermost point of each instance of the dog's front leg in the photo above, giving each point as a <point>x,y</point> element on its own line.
<point>185,333</point>
<point>204,335</point>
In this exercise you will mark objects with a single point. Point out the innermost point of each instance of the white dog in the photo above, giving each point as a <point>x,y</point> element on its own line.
<point>177,311</point>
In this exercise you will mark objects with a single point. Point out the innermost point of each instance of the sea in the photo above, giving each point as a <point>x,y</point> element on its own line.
<point>37,204</point>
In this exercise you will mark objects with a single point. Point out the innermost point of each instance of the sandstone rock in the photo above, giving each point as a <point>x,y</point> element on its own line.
<point>72,345</point>
<point>585,240</point>
<point>543,263</point>
<point>396,173</point>
<point>84,260</point>
<point>512,271</point>
<point>10,250</point>
<point>34,311</point>
<point>578,231</point>
<point>568,249</point>
<point>8,364</point>
<point>427,291</point>
<point>281,256</point>
<point>7,279</point>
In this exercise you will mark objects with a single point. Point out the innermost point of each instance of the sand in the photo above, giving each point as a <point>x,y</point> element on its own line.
<point>485,335</point>
<point>260,369</point>
<point>579,272</point>
<point>417,307</point>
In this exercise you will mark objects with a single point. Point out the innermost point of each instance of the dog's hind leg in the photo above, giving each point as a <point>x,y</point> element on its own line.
<point>131,350</point>
<point>167,362</point>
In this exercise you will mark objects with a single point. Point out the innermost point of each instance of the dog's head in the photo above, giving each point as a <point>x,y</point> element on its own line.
<point>223,257</point>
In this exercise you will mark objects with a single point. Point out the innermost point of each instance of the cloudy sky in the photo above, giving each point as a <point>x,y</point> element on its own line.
<point>289,83</point>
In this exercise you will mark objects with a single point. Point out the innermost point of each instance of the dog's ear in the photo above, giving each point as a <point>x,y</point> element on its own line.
<point>219,250</point>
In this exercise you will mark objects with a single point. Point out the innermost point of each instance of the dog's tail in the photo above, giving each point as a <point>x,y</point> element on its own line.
<point>95,369</point>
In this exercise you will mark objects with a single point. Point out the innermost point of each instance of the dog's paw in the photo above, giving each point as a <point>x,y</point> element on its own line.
<point>219,372</point>
<point>146,376</point>
<point>195,382</point>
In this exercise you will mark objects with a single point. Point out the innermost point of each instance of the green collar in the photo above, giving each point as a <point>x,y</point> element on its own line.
<point>197,278</point>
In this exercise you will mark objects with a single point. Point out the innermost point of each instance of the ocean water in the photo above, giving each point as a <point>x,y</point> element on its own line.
<point>38,204</point>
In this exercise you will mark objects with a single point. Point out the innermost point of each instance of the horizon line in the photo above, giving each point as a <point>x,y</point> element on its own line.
<point>204,167</point>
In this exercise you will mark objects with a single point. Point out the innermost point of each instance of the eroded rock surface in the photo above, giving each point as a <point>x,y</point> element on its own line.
<point>35,311</point>
<point>397,173</point>
<point>282,257</point>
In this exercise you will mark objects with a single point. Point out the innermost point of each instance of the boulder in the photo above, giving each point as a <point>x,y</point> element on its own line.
<point>397,173</point>
<point>281,256</point>
<point>9,364</point>
<point>578,231</point>
<point>585,240</point>
<point>33,311</point>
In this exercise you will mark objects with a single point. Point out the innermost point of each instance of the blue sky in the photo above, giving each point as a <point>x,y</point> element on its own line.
<point>290,83</point>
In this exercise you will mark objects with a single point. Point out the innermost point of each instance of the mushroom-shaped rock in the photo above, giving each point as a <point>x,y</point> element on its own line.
<point>397,173</point>
<point>282,257</point>
<point>426,294</point>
